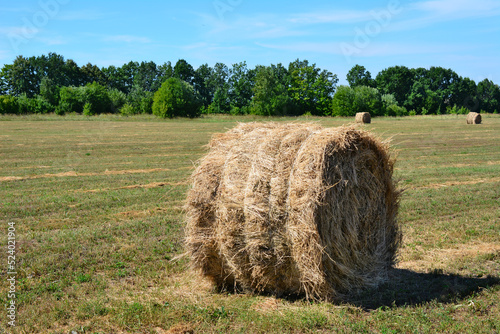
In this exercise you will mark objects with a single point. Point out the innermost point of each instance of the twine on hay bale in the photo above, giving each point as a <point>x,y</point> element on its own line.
<point>473,118</point>
<point>363,117</point>
<point>293,209</point>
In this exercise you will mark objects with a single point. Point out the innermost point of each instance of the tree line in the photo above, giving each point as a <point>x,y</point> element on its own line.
<point>50,83</point>
<point>400,90</point>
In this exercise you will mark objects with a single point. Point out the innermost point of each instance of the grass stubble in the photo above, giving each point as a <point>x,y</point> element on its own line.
<point>97,204</point>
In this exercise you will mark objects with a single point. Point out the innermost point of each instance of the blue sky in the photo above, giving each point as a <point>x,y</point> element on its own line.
<point>462,35</point>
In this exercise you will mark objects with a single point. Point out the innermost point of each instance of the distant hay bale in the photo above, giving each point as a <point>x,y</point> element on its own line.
<point>293,209</point>
<point>474,118</point>
<point>363,117</point>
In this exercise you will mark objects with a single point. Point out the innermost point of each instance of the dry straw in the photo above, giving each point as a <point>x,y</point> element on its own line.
<point>474,118</point>
<point>363,117</point>
<point>293,209</point>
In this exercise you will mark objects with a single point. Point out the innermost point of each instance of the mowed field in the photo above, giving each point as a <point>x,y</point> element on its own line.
<point>97,206</point>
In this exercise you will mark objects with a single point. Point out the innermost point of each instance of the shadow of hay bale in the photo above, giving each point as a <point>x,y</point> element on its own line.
<point>293,209</point>
<point>406,287</point>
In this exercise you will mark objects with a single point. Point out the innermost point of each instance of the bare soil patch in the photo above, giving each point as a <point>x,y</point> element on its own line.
<point>73,174</point>
<point>458,183</point>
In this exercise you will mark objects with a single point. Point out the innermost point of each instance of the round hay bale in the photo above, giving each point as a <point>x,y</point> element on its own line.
<point>363,117</point>
<point>293,209</point>
<point>473,118</point>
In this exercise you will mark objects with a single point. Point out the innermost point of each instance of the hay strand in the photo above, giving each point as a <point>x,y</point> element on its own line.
<point>293,209</point>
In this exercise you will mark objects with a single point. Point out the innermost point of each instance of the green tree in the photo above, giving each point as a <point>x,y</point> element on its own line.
<point>424,100</point>
<point>463,93</point>
<point>420,74</point>
<point>368,99</point>
<point>270,92</point>
<point>122,78</point>
<point>444,83</point>
<point>176,98</point>
<point>440,79</point>
<point>343,101</point>
<point>391,106</point>
<point>8,104</point>
<point>396,80</point>
<point>147,77</point>
<point>73,75</point>
<point>52,66</point>
<point>22,77</point>
<point>184,71</point>
<point>118,99</point>
<point>359,76</point>
<point>433,103</point>
<point>310,88</point>
<point>42,106</point>
<point>416,97</point>
<point>114,78</point>
<point>165,71</point>
<point>219,86</point>
<point>25,75</point>
<point>4,81</point>
<point>201,80</point>
<point>302,76</point>
<point>324,85</point>
<point>49,91</point>
<point>127,73</point>
<point>140,100</point>
<point>91,73</point>
<point>220,76</point>
<point>488,95</point>
<point>27,105</point>
<point>240,82</point>
<point>71,99</point>
<point>389,100</point>
<point>97,98</point>
<point>220,102</point>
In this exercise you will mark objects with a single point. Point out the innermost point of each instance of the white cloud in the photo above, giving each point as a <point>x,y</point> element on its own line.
<point>418,15</point>
<point>309,47</point>
<point>437,11</point>
<point>14,9</point>
<point>127,39</point>
<point>322,33</point>
<point>19,31</point>
<point>400,49</point>
<point>242,28</point>
<point>374,49</point>
<point>4,54</point>
<point>277,32</point>
<point>204,47</point>
<point>266,26</point>
<point>341,16</point>
<point>459,8</point>
<point>24,34</point>
<point>56,40</point>
<point>195,46</point>
<point>80,15</point>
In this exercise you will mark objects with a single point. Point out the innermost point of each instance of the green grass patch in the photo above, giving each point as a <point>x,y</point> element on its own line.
<point>97,206</point>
